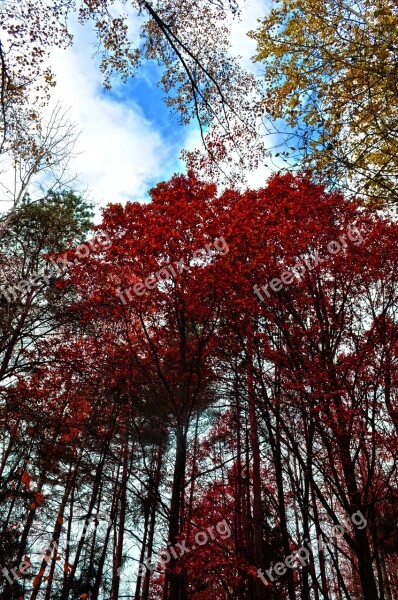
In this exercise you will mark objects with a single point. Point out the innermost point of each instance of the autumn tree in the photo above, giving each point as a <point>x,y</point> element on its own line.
<point>36,232</point>
<point>29,314</point>
<point>31,143</point>
<point>186,382</point>
<point>331,74</point>
<point>309,347</point>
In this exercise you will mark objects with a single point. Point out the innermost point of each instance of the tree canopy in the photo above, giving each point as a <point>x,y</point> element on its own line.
<point>331,72</point>
<point>199,389</point>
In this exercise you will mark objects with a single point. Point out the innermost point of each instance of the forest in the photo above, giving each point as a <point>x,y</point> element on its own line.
<point>199,376</point>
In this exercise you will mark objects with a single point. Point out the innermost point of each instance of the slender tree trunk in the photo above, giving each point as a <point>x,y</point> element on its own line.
<point>51,575</point>
<point>91,564</point>
<point>101,562</point>
<point>387,585</point>
<point>376,554</point>
<point>238,513</point>
<point>248,543</point>
<point>138,584</point>
<point>68,584</point>
<point>276,451</point>
<point>260,592</point>
<point>55,536</point>
<point>153,495</point>
<point>29,522</point>
<point>192,484</point>
<point>321,553</point>
<point>117,562</point>
<point>363,553</point>
<point>176,581</point>
<point>6,453</point>
<point>6,522</point>
<point>309,434</point>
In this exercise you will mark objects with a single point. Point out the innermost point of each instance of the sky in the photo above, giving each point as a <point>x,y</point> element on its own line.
<point>128,139</point>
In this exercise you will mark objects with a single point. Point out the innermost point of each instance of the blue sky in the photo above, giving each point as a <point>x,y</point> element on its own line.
<point>143,90</point>
<point>129,139</point>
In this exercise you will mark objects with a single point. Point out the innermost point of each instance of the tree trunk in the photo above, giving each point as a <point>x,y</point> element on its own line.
<point>176,582</point>
<point>117,562</point>
<point>260,591</point>
<point>153,494</point>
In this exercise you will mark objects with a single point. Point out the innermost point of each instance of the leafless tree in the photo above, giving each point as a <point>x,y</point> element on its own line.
<point>44,157</point>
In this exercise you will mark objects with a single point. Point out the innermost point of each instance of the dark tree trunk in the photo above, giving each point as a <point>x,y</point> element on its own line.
<point>257,539</point>
<point>152,497</point>
<point>176,582</point>
<point>117,562</point>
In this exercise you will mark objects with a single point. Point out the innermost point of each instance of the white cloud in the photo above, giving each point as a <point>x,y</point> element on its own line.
<point>245,47</point>
<point>119,150</point>
<point>242,45</point>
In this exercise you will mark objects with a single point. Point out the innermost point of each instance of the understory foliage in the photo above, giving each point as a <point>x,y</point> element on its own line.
<point>142,419</point>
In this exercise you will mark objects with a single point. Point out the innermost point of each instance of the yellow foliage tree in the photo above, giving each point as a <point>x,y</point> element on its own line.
<point>331,72</point>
